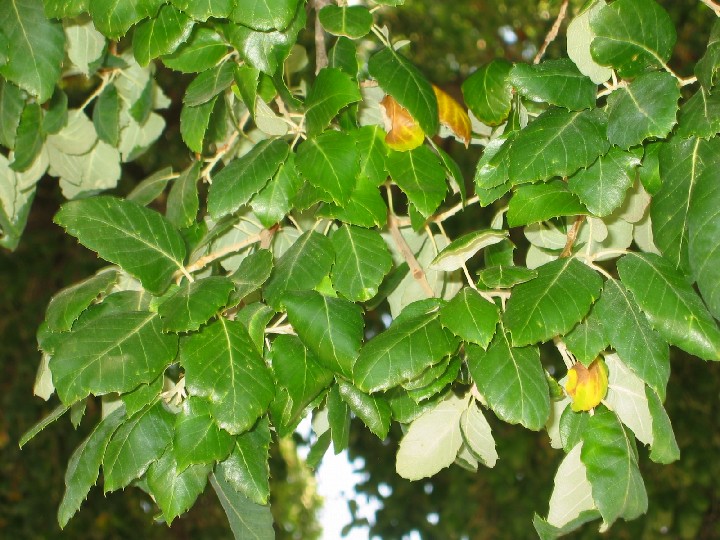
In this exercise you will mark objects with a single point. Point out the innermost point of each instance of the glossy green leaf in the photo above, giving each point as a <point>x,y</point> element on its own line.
<point>374,411</point>
<point>630,334</point>
<point>300,379</point>
<point>247,519</point>
<point>175,488</point>
<point>540,202</point>
<point>113,353</point>
<point>670,303</point>
<point>301,267</point>
<point>137,443</point>
<point>246,469</point>
<point>183,200</point>
<point>366,207</point>
<point>161,34</point>
<point>512,381</point>
<point>202,51</point>
<point>332,90</point>
<point>115,18</point>
<point>67,305</point>
<point>30,434</point>
<point>700,115</point>
<point>244,176</point>
<point>488,93</point>
<point>362,260</point>
<point>343,56</point>
<point>470,317</point>
<point>588,338</point>
<point>194,304</point>
<point>610,458</point>
<point>432,441</point>
<point>255,317</point>
<point>460,250</point>
<point>273,202</point>
<point>36,47</point>
<point>645,108</point>
<point>139,240</point>
<point>253,271</point>
<point>504,277</point>
<point>602,186</point>
<point>106,115</point>
<point>632,35</point>
<point>209,84</point>
<point>330,162</point>
<point>403,81</point>
<point>59,9</point>
<point>557,143</point>
<point>202,10</point>
<point>84,465</point>
<point>338,419</point>
<point>707,67</point>
<point>579,39</point>
<point>552,303</point>
<point>332,328</point>
<point>664,447</point>
<point>436,379</point>
<point>219,361</point>
<point>12,104</point>
<point>421,176</point>
<point>414,341</point>
<point>194,122</point>
<point>142,396</point>
<point>28,138</point>
<point>557,82</point>
<point>703,227</point>
<point>572,426</point>
<point>265,15</point>
<point>353,21</point>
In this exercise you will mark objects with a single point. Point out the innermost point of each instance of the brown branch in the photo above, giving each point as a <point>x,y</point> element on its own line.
<point>417,272</point>
<point>321,58</point>
<point>202,262</point>
<point>572,236</point>
<point>552,34</point>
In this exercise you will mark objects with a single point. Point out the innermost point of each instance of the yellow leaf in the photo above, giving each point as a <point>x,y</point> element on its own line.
<point>403,132</point>
<point>587,386</point>
<point>453,116</point>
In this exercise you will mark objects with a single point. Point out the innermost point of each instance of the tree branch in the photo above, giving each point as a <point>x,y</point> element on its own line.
<point>417,272</point>
<point>572,236</point>
<point>712,5</point>
<point>321,58</point>
<point>552,34</point>
<point>202,262</point>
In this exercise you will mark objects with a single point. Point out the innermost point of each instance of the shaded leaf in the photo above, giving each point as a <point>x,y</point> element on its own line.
<point>202,51</point>
<point>209,84</point>
<point>557,82</point>
<point>67,305</point>
<point>362,260</point>
<point>374,411</point>
<point>161,34</point>
<point>246,469</point>
<point>488,93</point>
<point>477,435</point>
<point>664,448</point>
<point>421,176</point>
<point>332,90</point>
<point>106,115</point>
<point>194,304</point>
<point>183,201</point>
<point>543,201</point>
<point>470,317</point>
<point>572,493</point>
<point>329,162</point>
<point>194,122</point>
<point>353,21</point>
<point>247,519</point>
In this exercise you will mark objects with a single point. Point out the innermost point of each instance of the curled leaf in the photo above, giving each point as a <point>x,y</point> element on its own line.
<point>453,116</point>
<point>587,386</point>
<point>403,132</point>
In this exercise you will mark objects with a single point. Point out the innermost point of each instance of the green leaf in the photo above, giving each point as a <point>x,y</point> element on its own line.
<point>255,317</point>
<point>175,488</point>
<point>557,82</point>
<point>366,207</point>
<point>610,457</point>
<point>602,186</point>
<point>246,469</point>
<point>273,202</point>
<point>202,10</point>
<point>67,305</point>
<point>332,328</point>
<point>644,108</point>
<point>572,426</point>
<point>106,115</point>
<point>227,193</point>
<point>588,338</point>
<point>28,138</point>
<point>343,56</point>
<point>631,36</point>
<point>571,496</point>
<point>488,93</point>
<point>202,51</point>
<point>194,123</point>
<point>114,18</point>
<point>12,103</point>
<point>432,441</point>
<point>700,115</point>
<point>374,411</point>
<point>332,90</point>
<point>353,22</point>
<point>512,381</point>
<point>61,9</point>
<point>84,465</point>
<point>470,317</point>
<point>504,277</point>
<point>362,260</point>
<point>253,271</point>
<point>137,443</point>
<point>460,250</point>
<point>330,162</point>
<point>433,380</point>
<point>549,532</point>
<point>139,240</point>
<point>300,379</point>
<point>265,15</point>
<point>403,81</point>
<point>247,519</point>
<point>36,47</point>
<point>664,448</point>
<point>412,343</point>
<point>579,38</point>
<point>338,419</point>
<point>708,65</point>
<point>552,303</point>
<point>219,361</point>
<point>56,413</point>
<point>151,187</point>
<point>630,334</point>
<point>543,201</point>
<point>703,226</point>
<point>114,353</point>
<point>56,114</point>
<point>209,84</point>
<point>557,143</point>
<point>421,176</point>
<point>142,396</point>
<point>670,303</point>
<point>183,202</point>
<point>301,267</point>
<point>194,304</point>
<point>161,34</point>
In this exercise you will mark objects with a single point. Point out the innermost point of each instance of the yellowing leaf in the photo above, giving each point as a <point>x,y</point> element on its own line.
<point>453,116</point>
<point>403,132</point>
<point>587,386</point>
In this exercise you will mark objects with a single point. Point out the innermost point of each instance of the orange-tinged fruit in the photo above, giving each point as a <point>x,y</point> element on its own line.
<point>453,116</point>
<point>587,386</point>
<point>403,132</point>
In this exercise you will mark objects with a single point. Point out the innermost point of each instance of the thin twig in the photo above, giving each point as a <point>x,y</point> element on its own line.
<point>202,262</point>
<point>321,58</point>
<point>712,5</point>
<point>552,34</point>
<point>572,236</point>
<point>567,356</point>
<point>105,79</point>
<point>224,149</point>
<point>417,272</point>
<point>455,209</point>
